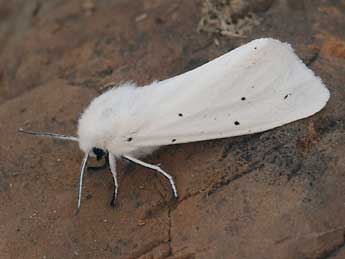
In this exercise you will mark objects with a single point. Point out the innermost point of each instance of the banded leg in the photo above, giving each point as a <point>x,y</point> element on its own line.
<point>156,168</point>
<point>112,164</point>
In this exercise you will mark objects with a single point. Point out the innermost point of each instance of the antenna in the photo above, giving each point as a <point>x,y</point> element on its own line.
<point>48,135</point>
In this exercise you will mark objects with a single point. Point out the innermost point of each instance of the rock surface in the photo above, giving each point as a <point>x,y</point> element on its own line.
<point>278,194</point>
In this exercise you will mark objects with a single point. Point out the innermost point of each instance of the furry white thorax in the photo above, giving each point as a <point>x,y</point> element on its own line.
<point>108,122</point>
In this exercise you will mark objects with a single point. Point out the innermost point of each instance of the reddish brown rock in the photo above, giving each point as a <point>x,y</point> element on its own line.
<point>334,48</point>
<point>277,194</point>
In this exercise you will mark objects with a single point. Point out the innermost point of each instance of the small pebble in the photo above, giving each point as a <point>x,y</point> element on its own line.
<point>141,223</point>
<point>89,7</point>
<point>141,17</point>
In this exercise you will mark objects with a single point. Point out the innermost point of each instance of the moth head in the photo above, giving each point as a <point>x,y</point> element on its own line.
<point>91,139</point>
<point>98,153</point>
<point>93,129</point>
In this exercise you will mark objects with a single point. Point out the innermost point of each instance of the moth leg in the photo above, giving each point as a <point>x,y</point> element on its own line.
<point>112,163</point>
<point>156,168</point>
<point>82,172</point>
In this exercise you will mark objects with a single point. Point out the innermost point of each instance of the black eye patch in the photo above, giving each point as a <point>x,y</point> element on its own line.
<point>98,152</point>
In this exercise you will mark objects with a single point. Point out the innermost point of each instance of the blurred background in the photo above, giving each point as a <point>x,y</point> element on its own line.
<point>277,194</point>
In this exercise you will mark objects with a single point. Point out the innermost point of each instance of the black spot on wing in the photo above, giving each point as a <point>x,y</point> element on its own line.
<point>286,96</point>
<point>243,98</point>
<point>236,123</point>
<point>180,114</point>
<point>129,139</point>
<point>173,140</point>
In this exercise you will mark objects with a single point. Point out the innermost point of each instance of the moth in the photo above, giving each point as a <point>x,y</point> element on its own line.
<point>256,87</point>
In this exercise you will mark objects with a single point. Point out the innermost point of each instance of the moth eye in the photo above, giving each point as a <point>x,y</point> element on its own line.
<point>98,152</point>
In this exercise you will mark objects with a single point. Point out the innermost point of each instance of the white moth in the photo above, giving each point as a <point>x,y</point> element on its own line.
<point>256,87</point>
